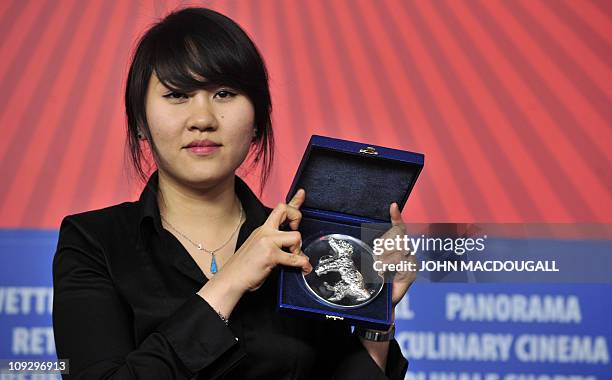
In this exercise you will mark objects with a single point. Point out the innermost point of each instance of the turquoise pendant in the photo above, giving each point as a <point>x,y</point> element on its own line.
<point>213,265</point>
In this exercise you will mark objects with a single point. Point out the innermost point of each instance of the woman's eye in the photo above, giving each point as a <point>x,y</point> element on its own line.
<point>175,95</point>
<point>225,94</point>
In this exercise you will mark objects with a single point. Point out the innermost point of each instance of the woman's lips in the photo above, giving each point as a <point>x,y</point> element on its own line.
<point>203,150</point>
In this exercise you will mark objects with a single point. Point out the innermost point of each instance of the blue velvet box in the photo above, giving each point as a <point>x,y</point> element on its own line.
<point>349,185</point>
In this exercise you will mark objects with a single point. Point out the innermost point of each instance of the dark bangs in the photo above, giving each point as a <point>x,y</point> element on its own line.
<point>187,48</point>
<point>197,48</point>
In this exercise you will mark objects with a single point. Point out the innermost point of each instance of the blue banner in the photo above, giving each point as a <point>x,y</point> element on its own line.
<point>448,331</point>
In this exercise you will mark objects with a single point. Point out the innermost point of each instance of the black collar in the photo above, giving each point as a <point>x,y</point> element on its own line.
<point>149,219</point>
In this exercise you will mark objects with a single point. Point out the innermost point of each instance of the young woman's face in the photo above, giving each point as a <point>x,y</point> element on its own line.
<point>221,118</point>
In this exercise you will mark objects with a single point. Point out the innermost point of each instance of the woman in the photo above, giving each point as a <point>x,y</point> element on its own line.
<point>181,283</point>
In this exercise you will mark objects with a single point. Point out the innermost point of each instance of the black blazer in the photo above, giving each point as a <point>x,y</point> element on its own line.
<point>125,306</point>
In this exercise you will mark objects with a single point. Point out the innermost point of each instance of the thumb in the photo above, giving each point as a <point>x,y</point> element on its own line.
<point>396,215</point>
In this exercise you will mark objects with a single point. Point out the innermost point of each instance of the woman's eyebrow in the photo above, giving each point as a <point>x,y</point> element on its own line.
<point>206,85</point>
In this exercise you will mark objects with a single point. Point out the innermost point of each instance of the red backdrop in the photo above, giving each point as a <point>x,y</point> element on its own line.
<point>511,101</point>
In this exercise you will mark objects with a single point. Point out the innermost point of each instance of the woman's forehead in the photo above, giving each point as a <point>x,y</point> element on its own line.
<point>155,83</point>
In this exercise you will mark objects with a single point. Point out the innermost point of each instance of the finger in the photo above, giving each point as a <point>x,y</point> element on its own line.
<point>296,261</point>
<point>294,217</point>
<point>298,198</point>
<point>277,216</point>
<point>296,248</point>
<point>288,239</point>
<point>396,215</point>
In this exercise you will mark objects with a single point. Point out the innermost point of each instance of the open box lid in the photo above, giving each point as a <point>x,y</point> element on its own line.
<point>355,179</point>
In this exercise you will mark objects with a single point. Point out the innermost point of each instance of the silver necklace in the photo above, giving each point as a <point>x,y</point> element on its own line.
<point>213,262</point>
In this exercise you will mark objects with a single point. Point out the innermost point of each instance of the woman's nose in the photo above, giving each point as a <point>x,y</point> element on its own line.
<point>202,115</point>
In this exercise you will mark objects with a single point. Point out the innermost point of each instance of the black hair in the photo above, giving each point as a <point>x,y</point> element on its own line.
<point>189,49</point>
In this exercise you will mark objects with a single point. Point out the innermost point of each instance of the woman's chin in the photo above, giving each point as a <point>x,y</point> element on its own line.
<point>204,179</point>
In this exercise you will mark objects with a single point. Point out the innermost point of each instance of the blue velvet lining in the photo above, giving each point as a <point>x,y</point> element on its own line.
<point>355,184</point>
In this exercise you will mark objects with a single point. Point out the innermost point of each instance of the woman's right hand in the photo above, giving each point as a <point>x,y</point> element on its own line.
<point>248,267</point>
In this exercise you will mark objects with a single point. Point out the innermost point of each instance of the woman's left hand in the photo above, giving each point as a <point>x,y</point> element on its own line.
<point>402,279</point>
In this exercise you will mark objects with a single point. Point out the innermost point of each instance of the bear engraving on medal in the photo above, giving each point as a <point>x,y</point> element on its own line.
<point>351,283</point>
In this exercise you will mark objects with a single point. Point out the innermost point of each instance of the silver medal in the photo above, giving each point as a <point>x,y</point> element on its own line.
<point>343,273</point>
